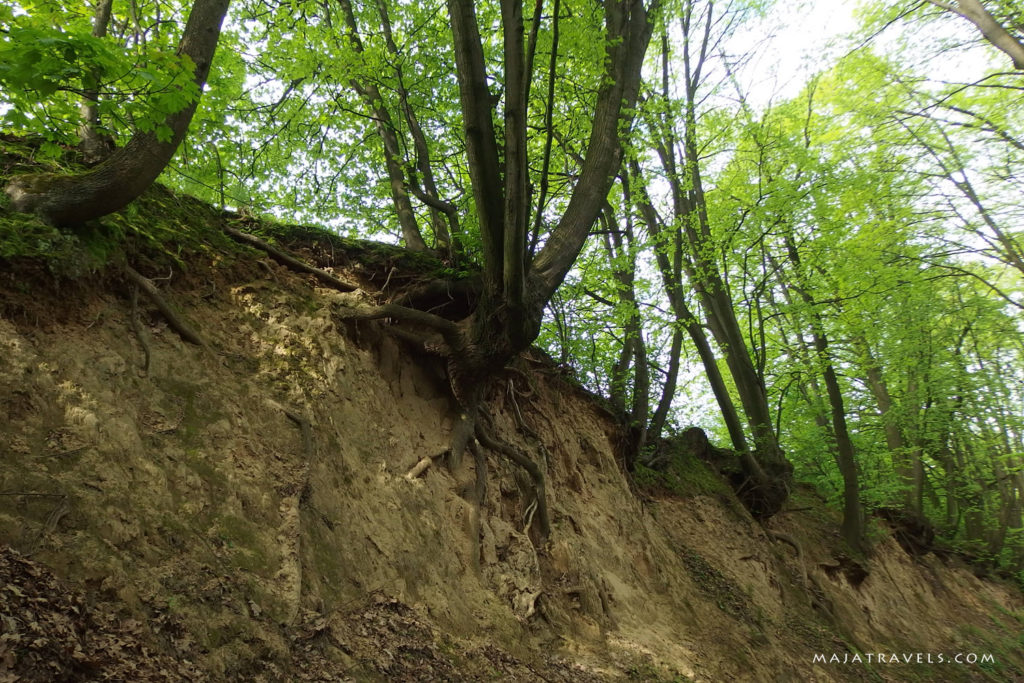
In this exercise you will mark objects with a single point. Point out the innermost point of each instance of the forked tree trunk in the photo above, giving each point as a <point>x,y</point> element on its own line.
<point>765,466</point>
<point>74,199</point>
<point>516,293</point>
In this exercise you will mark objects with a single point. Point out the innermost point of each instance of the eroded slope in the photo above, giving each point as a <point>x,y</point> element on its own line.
<point>245,507</point>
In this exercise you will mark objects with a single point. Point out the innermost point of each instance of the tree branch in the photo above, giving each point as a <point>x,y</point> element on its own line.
<point>290,261</point>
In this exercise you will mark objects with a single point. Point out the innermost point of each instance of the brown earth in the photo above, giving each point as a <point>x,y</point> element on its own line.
<point>241,512</point>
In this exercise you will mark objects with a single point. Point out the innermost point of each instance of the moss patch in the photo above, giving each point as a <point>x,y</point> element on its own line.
<point>685,476</point>
<point>722,590</point>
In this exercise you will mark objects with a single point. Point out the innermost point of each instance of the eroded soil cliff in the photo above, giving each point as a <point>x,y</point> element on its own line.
<point>241,511</point>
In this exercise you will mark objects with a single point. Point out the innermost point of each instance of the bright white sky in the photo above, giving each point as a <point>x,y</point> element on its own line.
<point>801,37</point>
<point>789,45</point>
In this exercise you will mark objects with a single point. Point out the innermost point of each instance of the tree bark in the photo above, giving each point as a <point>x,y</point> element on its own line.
<point>373,99</point>
<point>94,147</point>
<point>481,144</point>
<point>694,238</point>
<point>994,32</point>
<point>672,276</point>
<point>852,528</point>
<point>74,199</point>
<point>628,31</point>
<point>898,453</point>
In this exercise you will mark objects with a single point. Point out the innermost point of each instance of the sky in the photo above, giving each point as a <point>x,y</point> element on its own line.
<point>797,37</point>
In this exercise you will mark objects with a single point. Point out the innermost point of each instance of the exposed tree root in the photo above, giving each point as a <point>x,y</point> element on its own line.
<point>183,329</point>
<point>479,496</point>
<point>447,328</point>
<point>290,261</point>
<point>786,538</point>
<point>137,328</point>
<point>811,586</point>
<point>454,298</point>
<point>415,339</point>
<point>52,520</point>
<point>306,429</point>
<point>295,499</point>
<point>485,434</point>
<point>423,465</point>
<point>467,389</point>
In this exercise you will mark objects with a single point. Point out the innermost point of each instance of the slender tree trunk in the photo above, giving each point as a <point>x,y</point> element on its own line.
<point>74,199</point>
<point>671,274</point>
<point>619,246</point>
<point>668,389</point>
<point>846,461</point>
<point>853,515</point>
<point>690,204</point>
<point>914,492</point>
<point>442,214</point>
<point>94,147</point>
<point>373,99</point>
<point>994,32</point>
<point>900,458</point>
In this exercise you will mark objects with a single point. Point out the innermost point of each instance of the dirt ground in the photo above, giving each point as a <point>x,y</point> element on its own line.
<point>241,511</point>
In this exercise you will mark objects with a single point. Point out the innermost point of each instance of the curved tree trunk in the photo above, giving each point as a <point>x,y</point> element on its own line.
<point>853,529</point>
<point>74,199</point>
<point>672,276</point>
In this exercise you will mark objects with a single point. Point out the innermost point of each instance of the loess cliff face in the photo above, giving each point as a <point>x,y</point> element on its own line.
<point>242,512</point>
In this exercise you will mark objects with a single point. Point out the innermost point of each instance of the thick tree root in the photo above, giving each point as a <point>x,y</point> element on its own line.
<point>485,435</point>
<point>466,387</point>
<point>295,498</point>
<point>307,432</point>
<point>52,520</point>
<point>290,261</point>
<point>183,329</point>
<point>448,330</point>
<point>479,496</point>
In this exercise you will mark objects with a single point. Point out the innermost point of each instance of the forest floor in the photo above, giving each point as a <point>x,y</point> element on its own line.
<point>240,510</point>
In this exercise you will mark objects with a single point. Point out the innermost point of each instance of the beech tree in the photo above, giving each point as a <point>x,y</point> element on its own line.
<point>845,266</point>
<point>515,287</point>
<point>128,172</point>
<point>525,243</point>
<point>688,243</point>
<point>999,24</point>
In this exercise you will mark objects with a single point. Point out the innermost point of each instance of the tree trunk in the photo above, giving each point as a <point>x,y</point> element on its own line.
<point>374,101</point>
<point>668,389</point>
<point>671,274</point>
<point>94,147</point>
<point>74,199</point>
<point>914,467</point>
<point>853,514</point>
<point>440,211</point>
<point>691,207</point>
<point>901,462</point>
<point>994,32</point>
